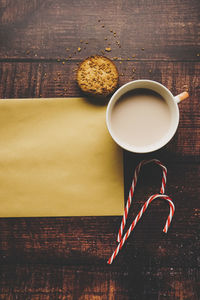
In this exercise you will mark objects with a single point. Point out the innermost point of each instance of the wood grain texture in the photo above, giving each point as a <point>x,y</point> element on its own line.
<point>65,258</point>
<point>167,31</point>
<point>139,281</point>
<point>55,79</point>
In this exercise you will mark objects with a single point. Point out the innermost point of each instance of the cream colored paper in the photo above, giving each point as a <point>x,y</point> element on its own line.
<point>57,159</point>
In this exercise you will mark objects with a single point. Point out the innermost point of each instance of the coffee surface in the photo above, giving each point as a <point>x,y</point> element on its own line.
<point>140,118</point>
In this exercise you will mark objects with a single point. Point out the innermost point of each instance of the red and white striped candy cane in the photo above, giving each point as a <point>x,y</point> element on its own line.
<point>143,209</point>
<point>134,182</point>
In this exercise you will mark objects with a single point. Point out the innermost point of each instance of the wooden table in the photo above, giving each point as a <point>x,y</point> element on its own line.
<point>65,258</point>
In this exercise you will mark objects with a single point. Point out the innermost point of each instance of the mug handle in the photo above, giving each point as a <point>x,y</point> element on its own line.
<point>181,97</point>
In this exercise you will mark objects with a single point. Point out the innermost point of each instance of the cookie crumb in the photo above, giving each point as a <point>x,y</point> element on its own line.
<point>79,49</point>
<point>118,44</point>
<point>108,49</point>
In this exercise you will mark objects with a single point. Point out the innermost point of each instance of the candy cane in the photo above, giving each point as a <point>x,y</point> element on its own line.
<point>143,209</point>
<point>134,182</point>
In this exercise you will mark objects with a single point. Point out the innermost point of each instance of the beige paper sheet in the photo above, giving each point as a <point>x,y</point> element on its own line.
<point>57,159</point>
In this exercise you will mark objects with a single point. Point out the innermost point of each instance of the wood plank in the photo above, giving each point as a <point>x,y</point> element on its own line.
<point>151,30</point>
<point>135,281</point>
<point>37,79</point>
<point>91,240</point>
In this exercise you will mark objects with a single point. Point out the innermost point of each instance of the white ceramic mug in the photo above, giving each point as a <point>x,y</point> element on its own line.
<point>171,100</point>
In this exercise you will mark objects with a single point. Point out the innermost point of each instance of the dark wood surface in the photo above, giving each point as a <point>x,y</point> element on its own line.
<point>65,258</point>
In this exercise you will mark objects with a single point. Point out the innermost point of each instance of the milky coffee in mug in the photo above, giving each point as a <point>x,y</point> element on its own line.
<point>142,116</point>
